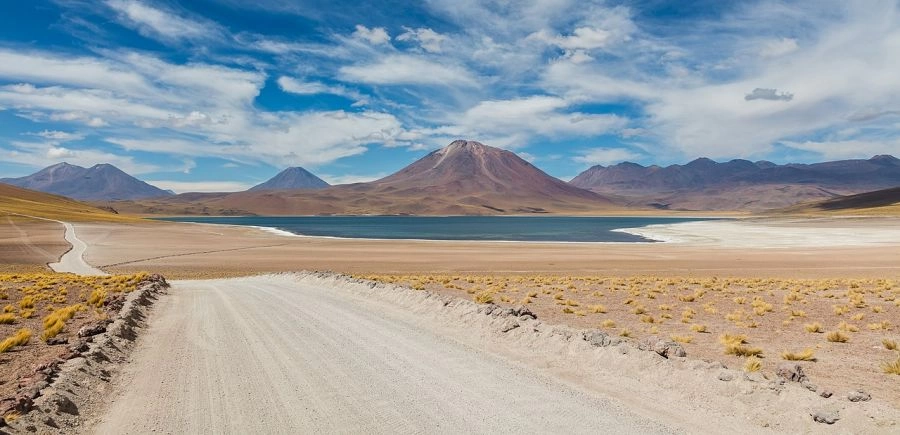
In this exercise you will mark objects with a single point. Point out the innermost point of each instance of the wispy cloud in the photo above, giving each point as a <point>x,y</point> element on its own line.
<point>161,24</point>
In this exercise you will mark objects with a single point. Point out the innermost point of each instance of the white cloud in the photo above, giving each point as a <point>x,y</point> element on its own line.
<point>294,86</point>
<point>160,24</point>
<point>400,69</point>
<point>605,156</point>
<point>351,178</point>
<point>39,155</point>
<point>428,39</point>
<point>59,136</point>
<point>201,186</point>
<point>374,36</point>
<point>540,115</point>
<point>847,149</point>
<point>778,47</point>
<point>56,153</point>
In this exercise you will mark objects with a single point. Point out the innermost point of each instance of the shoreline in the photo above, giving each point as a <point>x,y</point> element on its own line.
<point>285,233</point>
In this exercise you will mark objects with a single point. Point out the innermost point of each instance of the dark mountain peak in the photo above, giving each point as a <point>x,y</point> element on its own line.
<point>292,178</point>
<point>885,159</point>
<point>765,164</point>
<point>702,161</point>
<point>630,165</point>
<point>100,182</point>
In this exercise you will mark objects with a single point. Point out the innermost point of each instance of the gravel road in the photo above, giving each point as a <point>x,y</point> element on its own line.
<point>272,355</point>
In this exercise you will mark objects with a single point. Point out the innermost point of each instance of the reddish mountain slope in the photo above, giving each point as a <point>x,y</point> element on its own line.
<point>463,178</point>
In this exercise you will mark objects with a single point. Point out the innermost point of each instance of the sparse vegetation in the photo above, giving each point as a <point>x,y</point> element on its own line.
<point>752,364</point>
<point>837,337</point>
<point>20,338</point>
<point>759,316</point>
<point>890,344</point>
<point>805,355</point>
<point>813,327</point>
<point>891,367</point>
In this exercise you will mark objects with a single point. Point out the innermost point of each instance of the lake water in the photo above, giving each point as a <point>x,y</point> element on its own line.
<point>487,228</point>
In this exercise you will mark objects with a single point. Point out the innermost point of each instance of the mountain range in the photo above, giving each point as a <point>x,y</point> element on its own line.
<point>467,177</point>
<point>99,182</point>
<point>704,184</point>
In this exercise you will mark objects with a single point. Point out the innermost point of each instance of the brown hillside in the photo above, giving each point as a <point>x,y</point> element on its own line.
<point>463,178</point>
<point>18,201</point>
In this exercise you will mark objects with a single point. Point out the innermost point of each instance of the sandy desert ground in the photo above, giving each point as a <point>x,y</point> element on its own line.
<point>779,248</point>
<point>847,251</point>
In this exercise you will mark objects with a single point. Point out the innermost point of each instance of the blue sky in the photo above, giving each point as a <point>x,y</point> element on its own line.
<point>222,94</point>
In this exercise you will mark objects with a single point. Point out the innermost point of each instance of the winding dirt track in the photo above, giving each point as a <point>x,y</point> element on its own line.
<point>273,355</point>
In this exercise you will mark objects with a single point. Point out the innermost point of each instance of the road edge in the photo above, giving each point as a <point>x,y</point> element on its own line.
<point>74,389</point>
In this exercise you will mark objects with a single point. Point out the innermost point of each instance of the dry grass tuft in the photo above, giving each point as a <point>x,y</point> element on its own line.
<point>7,319</point>
<point>837,337</point>
<point>484,297</point>
<point>806,355</point>
<point>682,338</point>
<point>20,338</point>
<point>598,309</point>
<point>741,350</point>
<point>815,327</point>
<point>890,344</point>
<point>891,367</point>
<point>753,364</point>
<point>608,323</point>
<point>699,328</point>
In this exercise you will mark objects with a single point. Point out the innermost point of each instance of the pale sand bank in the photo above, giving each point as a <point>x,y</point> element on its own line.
<point>775,234</point>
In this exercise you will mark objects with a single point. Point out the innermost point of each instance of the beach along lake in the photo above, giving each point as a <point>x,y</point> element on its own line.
<point>484,228</point>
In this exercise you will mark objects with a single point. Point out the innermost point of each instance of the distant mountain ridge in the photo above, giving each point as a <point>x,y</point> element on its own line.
<point>99,182</point>
<point>879,171</point>
<point>463,178</point>
<point>704,184</point>
<point>292,178</point>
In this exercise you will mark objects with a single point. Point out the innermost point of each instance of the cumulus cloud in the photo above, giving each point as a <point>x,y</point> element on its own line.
<point>768,94</point>
<point>428,39</point>
<point>374,36</point>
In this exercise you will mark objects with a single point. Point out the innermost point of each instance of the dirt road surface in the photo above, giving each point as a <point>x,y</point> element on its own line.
<point>73,261</point>
<point>272,355</point>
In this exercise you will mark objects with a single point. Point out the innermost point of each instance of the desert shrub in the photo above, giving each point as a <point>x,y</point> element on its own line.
<point>891,367</point>
<point>698,328</point>
<point>598,309</point>
<point>890,344</point>
<point>682,338</point>
<point>806,355</point>
<point>815,327</point>
<point>837,337</point>
<point>753,364</point>
<point>20,338</point>
<point>7,319</point>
